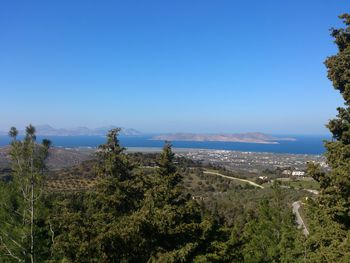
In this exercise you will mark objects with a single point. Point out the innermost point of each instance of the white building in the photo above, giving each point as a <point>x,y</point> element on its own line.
<point>298,173</point>
<point>287,172</point>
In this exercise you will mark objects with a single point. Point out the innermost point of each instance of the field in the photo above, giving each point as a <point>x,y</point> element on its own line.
<point>302,183</point>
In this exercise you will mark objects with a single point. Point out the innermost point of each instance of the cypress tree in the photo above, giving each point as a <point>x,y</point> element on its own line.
<point>335,186</point>
<point>329,216</point>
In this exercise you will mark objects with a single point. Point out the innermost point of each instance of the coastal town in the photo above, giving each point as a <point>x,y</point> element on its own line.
<point>288,164</point>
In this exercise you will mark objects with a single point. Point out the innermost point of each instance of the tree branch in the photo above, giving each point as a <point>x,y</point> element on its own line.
<point>10,253</point>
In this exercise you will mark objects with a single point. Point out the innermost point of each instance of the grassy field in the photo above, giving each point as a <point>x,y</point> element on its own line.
<point>302,183</point>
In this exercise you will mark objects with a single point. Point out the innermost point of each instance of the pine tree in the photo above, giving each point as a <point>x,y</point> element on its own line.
<point>20,205</point>
<point>329,215</point>
<point>115,202</point>
<point>175,225</point>
<point>169,178</point>
<point>103,225</point>
<point>335,186</point>
<point>328,240</point>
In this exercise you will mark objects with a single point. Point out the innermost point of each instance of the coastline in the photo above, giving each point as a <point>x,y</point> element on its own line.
<point>303,145</point>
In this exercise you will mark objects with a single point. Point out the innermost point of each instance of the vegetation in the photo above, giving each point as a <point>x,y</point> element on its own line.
<point>330,214</point>
<point>21,210</point>
<point>156,208</point>
<point>135,208</point>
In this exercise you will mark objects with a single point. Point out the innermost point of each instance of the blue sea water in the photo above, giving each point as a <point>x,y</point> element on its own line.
<point>302,145</point>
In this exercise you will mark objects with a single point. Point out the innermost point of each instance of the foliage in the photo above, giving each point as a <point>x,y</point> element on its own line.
<point>330,215</point>
<point>132,212</point>
<point>335,190</point>
<point>23,235</point>
<point>271,236</point>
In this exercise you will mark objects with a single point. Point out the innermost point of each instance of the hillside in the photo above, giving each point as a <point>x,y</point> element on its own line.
<point>58,157</point>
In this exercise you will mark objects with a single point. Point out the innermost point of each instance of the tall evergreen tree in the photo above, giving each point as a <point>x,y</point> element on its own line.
<point>329,217</point>
<point>102,225</point>
<point>174,220</point>
<point>328,241</point>
<point>19,233</point>
<point>335,186</point>
<point>169,179</point>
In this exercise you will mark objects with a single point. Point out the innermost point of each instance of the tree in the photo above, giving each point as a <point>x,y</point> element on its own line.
<point>115,202</point>
<point>173,220</point>
<point>335,186</point>
<point>168,177</point>
<point>271,235</point>
<point>20,213</point>
<point>328,240</point>
<point>329,216</point>
<point>102,225</point>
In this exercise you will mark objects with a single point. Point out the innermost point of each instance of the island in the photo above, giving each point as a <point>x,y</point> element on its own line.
<point>250,137</point>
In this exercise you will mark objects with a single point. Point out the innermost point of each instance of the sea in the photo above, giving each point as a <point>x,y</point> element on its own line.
<point>303,144</point>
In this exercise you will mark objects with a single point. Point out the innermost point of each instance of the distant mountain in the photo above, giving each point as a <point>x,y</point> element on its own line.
<point>124,131</point>
<point>47,130</point>
<point>252,137</point>
<point>58,157</point>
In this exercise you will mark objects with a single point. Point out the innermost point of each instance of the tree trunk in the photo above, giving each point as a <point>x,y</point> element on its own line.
<point>32,213</point>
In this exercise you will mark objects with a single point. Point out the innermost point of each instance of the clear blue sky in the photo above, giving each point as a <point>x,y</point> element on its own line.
<point>169,66</point>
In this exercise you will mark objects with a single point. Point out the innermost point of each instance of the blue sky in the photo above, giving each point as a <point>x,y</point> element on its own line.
<point>169,66</point>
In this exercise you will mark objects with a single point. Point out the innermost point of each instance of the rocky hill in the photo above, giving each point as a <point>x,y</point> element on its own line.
<point>253,137</point>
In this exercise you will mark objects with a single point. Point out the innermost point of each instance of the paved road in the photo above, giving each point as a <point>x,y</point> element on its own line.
<point>299,220</point>
<point>235,178</point>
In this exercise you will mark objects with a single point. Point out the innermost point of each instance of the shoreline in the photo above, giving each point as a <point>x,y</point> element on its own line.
<point>180,150</point>
<point>175,150</point>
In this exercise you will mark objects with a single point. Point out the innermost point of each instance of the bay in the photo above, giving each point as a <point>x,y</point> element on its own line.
<point>304,144</point>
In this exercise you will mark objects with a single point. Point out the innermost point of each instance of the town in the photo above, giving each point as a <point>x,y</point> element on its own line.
<point>255,162</point>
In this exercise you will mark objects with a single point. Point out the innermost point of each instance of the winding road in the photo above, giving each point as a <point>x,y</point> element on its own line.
<point>296,205</point>
<point>234,178</point>
<point>299,220</point>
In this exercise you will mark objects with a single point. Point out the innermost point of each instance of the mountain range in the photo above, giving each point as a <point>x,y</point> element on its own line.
<point>47,130</point>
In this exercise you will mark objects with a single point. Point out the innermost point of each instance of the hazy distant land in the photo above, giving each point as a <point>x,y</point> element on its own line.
<point>252,137</point>
<point>58,157</point>
<point>47,130</point>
